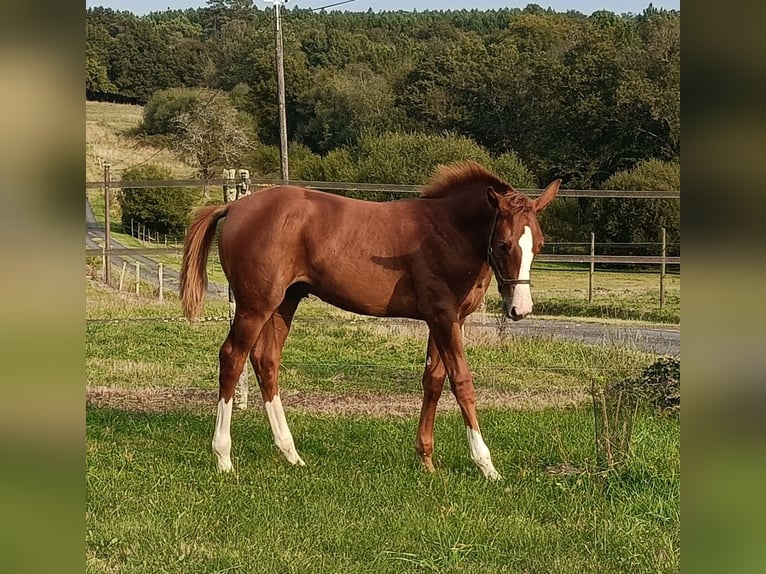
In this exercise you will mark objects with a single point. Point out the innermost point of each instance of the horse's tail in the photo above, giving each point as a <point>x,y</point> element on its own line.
<point>197,244</point>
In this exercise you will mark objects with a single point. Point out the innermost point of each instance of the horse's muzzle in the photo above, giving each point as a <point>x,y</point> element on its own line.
<point>510,312</point>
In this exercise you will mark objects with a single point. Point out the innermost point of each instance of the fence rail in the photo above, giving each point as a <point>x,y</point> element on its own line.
<point>617,259</point>
<point>373,187</point>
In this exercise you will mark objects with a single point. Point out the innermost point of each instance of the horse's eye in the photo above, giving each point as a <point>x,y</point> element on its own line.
<point>503,246</point>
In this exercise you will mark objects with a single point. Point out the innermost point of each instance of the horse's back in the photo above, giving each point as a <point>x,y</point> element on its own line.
<point>354,254</point>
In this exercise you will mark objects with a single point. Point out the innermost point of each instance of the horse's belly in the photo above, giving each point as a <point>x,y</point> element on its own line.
<point>374,296</point>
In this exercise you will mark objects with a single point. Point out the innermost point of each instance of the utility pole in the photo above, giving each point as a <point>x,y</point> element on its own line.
<point>285,174</point>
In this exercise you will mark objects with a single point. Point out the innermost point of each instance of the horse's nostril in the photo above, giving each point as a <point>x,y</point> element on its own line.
<point>515,315</point>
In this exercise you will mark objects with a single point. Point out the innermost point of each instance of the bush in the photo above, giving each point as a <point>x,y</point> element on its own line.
<point>263,161</point>
<point>162,209</point>
<point>639,220</point>
<point>412,158</point>
<point>303,163</point>
<point>510,168</point>
<point>660,383</point>
<point>165,106</point>
<point>339,165</point>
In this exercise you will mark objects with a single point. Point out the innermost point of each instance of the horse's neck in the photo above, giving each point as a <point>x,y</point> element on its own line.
<point>472,215</point>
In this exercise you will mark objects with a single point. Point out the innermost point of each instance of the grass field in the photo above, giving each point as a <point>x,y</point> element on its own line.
<point>156,504</point>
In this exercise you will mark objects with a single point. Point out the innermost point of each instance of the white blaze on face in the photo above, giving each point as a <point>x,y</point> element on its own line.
<point>522,294</point>
<point>222,436</point>
<point>283,438</point>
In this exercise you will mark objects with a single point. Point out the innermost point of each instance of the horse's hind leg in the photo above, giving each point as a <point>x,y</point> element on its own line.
<point>243,333</point>
<point>433,382</point>
<point>266,357</point>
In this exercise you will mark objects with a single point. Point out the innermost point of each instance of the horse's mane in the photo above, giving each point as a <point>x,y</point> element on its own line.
<point>452,179</point>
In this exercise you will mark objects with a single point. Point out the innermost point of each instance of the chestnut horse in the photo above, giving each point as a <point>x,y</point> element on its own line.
<point>429,258</point>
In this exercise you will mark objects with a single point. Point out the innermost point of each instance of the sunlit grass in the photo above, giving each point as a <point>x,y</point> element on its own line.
<point>156,504</point>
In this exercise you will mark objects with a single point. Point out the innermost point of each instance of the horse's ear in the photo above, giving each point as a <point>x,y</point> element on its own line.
<point>494,201</point>
<point>547,196</point>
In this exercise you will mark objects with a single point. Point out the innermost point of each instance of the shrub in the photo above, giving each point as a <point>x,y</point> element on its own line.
<point>303,163</point>
<point>161,209</point>
<point>412,158</point>
<point>510,168</point>
<point>263,161</point>
<point>660,383</point>
<point>165,106</point>
<point>339,165</point>
<point>639,220</point>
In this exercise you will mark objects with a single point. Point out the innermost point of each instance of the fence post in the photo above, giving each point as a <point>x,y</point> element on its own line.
<point>592,266</point>
<point>122,273</point>
<point>241,391</point>
<point>107,222</point>
<point>662,270</point>
<point>138,278</point>
<point>159,276</point>
<point>103,264</point>
<point>131,228</point>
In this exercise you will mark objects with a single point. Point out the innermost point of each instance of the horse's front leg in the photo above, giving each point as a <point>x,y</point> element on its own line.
<point>449,340</point>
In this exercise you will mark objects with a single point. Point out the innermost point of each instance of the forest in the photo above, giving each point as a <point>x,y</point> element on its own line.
<point>592,99</point>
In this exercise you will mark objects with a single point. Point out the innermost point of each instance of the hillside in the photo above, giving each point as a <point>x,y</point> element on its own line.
<point>109,137</point>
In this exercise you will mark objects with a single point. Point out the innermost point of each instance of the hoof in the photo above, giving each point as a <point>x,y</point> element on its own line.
<point>492,475</point>
<point>428,464</point>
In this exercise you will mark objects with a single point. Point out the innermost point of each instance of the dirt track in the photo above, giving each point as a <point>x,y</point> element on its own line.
<point>351,404</point>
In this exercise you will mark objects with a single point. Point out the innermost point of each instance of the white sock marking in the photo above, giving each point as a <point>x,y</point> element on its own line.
<point>283,438</point>
<point>480,454</point>
<point>222,436</point>
<point>522,294</point>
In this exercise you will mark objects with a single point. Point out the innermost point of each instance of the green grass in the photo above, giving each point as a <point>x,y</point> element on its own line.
<point>328,350</point>
<point>156,504</point>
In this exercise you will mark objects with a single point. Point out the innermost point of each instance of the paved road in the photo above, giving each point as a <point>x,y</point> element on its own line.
<point>95,238</point>
<point>658,340</point>
<point>661,341</point>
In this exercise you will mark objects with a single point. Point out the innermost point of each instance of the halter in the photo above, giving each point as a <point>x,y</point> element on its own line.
<point>501,279</point>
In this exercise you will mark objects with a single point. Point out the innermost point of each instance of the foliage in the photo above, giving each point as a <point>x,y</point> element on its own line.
<point>575,97</point>
<point>510,168</point>
<point>660,383</point>
<point>165,210</point>
<point>212,135</point>
<point>412,158</point>
<point>639,220</point>
<point>164,107</point>
<point>339,165</point>
<point>343,105</point>
<point>571,96</point>
<point>303,163</point>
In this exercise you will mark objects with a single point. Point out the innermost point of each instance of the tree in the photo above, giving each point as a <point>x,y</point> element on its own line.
<point>164,107</point>
<point>164,210</point>
<point>211,135</point>
<point>345,104</point>
<point>639,220</point>
<point>412,158</point>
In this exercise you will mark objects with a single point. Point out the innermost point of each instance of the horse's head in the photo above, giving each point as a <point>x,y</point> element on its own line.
<point>515,238</point>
